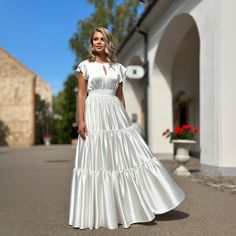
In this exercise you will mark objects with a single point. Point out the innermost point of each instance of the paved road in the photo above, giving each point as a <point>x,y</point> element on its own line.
<point>34,200</point>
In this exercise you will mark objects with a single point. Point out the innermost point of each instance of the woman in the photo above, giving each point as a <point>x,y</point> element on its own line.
<point>116,178</point>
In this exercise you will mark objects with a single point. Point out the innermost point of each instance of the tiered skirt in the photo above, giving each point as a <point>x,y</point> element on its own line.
<point>116,178</point>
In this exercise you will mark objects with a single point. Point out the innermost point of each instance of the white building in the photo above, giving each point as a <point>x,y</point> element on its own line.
<point>191,48</point>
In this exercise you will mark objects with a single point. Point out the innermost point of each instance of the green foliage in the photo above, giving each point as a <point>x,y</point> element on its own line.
<point>43,119</point>
<point>58,134</point>
<point>118,16</point>
<point>64,107</point>
<point>4,132</point>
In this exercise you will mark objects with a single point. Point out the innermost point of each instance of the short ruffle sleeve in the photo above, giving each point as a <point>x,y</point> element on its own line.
<point>82,68</point>
<point>121,73</point>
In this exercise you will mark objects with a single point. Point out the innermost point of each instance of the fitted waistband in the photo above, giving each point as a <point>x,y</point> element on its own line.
<point>102,92</point>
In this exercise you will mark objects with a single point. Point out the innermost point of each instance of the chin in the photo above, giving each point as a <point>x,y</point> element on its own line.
<point>100,51</point>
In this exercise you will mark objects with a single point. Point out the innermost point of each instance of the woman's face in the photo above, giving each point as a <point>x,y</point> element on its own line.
<point>98,43</point>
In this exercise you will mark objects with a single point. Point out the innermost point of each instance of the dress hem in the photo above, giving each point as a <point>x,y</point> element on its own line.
<point>133,222</point>
<point>152,212</point>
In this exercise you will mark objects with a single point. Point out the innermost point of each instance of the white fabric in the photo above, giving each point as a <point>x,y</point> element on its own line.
<point>116,178</point>
<point>96,71</point>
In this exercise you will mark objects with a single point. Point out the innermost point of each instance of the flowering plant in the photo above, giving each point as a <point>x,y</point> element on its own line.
<point>47,137</point>
<point>181,132</point>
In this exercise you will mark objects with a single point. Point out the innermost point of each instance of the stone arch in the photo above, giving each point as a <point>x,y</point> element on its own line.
<point>177,66</point>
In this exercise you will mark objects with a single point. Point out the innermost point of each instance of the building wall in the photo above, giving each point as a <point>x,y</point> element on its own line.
<point>204,16</point>
<point>213,19</point>
<point>18,87</point>
<point>210,19</point>
<point>227,46</point>
<point>133,89</point>
<point>217,85</point>
<point>16,101</point>
<point>43,90</point>
<point>165,39</point>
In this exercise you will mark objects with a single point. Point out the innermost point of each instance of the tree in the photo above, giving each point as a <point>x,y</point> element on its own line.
<point>118,16</point>
<point>59,135</point>
<point>4,132</point>
<point>64,106</point>
<point>43,119</point>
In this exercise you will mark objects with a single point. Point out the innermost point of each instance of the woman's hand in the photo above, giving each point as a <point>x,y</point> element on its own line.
<point>82,94</point>
<point>82,129</point>
<point>120,95</point>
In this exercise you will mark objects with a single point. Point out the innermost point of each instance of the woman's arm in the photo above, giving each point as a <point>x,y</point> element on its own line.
<point>82,94</point>
<point>119,93</point>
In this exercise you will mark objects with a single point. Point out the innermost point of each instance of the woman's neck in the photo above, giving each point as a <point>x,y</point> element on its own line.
<point>101,58</point>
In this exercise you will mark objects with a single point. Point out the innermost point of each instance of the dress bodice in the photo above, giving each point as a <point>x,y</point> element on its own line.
<point>102,75</point>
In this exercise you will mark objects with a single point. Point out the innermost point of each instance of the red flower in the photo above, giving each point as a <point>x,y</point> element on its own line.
<point>47,137</point>
<point>187,127</point>
<point>181,132</point>
<point>195,130</point>
<point>178,130</point>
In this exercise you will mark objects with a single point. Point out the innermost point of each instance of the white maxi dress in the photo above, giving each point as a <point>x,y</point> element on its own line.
<point>116,178</point>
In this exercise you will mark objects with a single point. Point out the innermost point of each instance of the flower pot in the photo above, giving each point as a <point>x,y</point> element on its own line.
<point>182,155</point>
<point>47,140</point>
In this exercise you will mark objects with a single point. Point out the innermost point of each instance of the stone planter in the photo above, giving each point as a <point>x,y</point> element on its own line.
<point>182,155</point>
<point>47,140</point>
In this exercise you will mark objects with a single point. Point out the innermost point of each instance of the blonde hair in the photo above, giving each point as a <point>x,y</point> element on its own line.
<point>110,48</point>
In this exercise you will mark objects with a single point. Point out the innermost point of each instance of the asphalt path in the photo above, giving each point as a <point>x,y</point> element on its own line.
<point>34,200</point>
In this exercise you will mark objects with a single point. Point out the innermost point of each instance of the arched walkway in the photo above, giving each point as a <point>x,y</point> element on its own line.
<point>176,70</point>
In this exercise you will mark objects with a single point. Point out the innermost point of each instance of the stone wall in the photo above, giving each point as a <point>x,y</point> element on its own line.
<point>43,90</point>
<point>18,85</point>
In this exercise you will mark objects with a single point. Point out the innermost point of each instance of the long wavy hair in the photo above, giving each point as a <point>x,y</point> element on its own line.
<point>110,48</point>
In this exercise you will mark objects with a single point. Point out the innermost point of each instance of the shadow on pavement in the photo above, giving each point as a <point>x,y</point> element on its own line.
<point>55,161</point>
<point>194,170</point>
<point>172,215</point>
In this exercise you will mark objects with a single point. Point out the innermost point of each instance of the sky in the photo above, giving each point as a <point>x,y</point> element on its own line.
<point>37,34</point>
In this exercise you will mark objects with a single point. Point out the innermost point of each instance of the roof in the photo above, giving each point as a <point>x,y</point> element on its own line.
<point>139,22</point>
